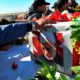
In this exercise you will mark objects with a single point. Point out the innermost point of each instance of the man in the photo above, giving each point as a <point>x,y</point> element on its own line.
<point>37,9</point>
<point>62,5</point>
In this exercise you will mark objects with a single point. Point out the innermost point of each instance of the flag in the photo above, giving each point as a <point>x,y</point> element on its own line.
<point>38,49</point>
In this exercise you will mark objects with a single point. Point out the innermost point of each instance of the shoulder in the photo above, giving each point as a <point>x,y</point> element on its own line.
<point>30,16</point>
<point>38,15</point>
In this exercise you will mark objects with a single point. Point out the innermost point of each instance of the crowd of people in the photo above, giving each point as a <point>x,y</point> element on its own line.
<point>32,18</point>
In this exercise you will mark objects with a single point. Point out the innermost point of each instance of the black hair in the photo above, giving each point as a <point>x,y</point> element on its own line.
<point>61,3</point>
<point>74,4</point>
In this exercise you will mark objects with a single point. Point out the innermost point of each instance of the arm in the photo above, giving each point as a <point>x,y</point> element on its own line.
<point>11,32</point>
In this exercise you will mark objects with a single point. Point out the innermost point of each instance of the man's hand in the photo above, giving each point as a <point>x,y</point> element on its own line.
<point>43,23</point>
<point>49,51</point>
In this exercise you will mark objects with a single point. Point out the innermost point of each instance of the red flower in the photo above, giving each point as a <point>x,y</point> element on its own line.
<point>65,18</point>
<point>75,15</point>
<point>54,15</point>
<point>75,58</point>
<point>57,16</point>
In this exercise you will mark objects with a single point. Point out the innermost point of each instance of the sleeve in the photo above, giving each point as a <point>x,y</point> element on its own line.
<point>12,32</point>
<point>36,15</point>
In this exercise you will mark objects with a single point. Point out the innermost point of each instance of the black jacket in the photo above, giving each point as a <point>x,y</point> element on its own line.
<point>29,15</point>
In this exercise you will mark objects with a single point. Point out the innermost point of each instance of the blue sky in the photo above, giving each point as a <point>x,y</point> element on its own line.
<point>12,6</point>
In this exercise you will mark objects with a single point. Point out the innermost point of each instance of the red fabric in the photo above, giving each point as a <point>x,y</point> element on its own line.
<point>37,45</point>
<point>58,37</point>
